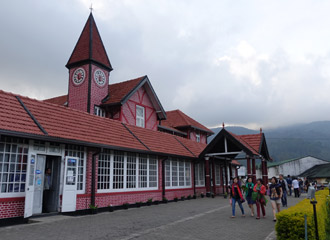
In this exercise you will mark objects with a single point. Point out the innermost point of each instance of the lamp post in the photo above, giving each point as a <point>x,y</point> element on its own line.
<point>314,202</point>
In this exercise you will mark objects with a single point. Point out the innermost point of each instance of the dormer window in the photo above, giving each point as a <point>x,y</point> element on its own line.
<point>140,116</point>
<point>198,137</point>
<point>99,111</point>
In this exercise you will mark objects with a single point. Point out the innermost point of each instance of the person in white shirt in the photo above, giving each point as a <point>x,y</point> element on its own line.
<point>295,184</point>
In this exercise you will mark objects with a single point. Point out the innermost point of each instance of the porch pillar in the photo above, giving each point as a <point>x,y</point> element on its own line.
<point>248,163</point>
<point>221,180</point>
<point>264,172</point>
<point>207,177</point>
<point>230,171</point>
<point>213,177</point>
<point>226,176</point>
<point>254,177</point>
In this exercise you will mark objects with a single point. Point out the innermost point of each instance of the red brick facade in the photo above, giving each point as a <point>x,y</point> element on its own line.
<point>128,110</point>
<point>11,207</point>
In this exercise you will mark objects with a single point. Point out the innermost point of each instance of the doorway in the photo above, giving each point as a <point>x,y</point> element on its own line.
<point>51,194</point>
<point>47,184</point>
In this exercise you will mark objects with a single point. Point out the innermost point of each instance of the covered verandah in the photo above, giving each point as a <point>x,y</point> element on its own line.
<point>225,149</point>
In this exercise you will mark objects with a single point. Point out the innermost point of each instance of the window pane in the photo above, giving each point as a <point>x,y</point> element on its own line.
<point>143,173</point>
<point>11,168</point>
<point>118,170</point>
<point>153,171</point>
<point>131,171</point>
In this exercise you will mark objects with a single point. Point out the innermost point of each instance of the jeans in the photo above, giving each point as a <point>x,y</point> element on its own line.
<point>284,199</point>
<point>290,189</point>
<point>234,205</point>
<point>260,205</point>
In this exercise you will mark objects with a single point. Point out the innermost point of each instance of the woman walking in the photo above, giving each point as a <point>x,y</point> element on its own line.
<point>248,194</point>
<point>260,191</point>
<point>275,192</point>
<point>236,196</point>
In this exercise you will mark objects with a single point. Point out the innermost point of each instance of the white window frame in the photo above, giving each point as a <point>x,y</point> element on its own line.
<point>98,111</point>
<point>84,159</point>
<point>198,137</point>
<point>200,175</point>
<point>140,120</point>
<point>137,171</point>
<point>11,141</point>
<point>174,165</point>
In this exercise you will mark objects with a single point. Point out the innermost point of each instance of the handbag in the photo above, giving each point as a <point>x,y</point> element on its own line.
<point>254,196</point>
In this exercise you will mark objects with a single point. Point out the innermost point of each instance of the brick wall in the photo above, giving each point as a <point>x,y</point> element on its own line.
<point>98,93</point>
<point>203,137</point>
<point>78,94</point>
<point>12,207</point>
<point>128,110</point>
<point>77,97</point>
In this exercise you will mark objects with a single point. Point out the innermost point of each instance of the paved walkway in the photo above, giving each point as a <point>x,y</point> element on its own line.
<point>207,218</point>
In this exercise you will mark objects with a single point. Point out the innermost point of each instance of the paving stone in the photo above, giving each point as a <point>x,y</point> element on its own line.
<point>206,218</point>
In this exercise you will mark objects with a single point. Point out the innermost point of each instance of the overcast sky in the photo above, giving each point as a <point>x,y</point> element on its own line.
<point>251,63</point>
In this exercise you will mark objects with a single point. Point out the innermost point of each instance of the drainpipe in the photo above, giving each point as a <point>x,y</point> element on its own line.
<point>193,179</point>
<point>93,176</point>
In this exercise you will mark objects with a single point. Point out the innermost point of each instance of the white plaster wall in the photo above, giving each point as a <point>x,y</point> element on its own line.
<point>295,168</point>
<point>242,171</point>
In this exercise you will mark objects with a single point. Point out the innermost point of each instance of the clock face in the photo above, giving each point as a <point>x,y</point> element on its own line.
<point>78,76</point>
<point>99,77</point>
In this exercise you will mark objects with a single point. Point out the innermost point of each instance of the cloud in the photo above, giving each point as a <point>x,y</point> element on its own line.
<point>252,63</point>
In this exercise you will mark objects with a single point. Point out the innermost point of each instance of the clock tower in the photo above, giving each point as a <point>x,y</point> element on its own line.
<point>89,70</point>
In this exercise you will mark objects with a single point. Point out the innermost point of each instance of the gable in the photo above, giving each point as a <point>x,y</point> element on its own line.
<point>142,99</point>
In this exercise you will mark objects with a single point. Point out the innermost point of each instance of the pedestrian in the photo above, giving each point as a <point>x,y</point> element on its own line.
<point>259,197</point>
<point>306,184</point>
<point>248,194</point>
<point>295,184</point>
<point>289,181</point>
<point>284,186</point>
<point>236,196</point>
<point>275,190</point>
<point>301,186</point>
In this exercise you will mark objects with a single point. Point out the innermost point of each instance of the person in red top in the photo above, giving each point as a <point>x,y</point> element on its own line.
<point>260,189</point>
<point>236,196</point>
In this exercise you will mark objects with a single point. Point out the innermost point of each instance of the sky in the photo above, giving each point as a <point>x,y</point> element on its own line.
<point>250,63</point>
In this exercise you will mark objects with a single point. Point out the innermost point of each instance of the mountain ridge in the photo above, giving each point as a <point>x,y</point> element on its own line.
<point>293,141</point>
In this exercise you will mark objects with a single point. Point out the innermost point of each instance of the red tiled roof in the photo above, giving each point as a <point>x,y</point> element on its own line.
<point>235,162</point>
<point>117,92</point>
<point>60,100</point>
<point>177,119</point>
<point>251,141</point>
<point>86,51</point>
<point>69,124</point>
<point>13,117</point>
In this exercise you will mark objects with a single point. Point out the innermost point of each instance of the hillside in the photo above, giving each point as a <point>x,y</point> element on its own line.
<point>293,141</point>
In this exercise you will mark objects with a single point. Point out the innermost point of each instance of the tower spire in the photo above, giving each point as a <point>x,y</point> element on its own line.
<point>89,47</point>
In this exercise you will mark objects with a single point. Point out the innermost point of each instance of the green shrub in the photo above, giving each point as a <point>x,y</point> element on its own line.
<point>291,223</point>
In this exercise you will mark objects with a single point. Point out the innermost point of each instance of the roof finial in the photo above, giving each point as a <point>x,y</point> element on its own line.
<point>223,125</point>
<point>91,7</point>
<point>260,130</point>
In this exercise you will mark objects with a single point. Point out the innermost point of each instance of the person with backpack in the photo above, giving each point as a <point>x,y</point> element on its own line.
<point>275,194</point>
<point>289,181</point>
<point>248,194</point>
<point>236,196</point>
<point>284,186</point>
